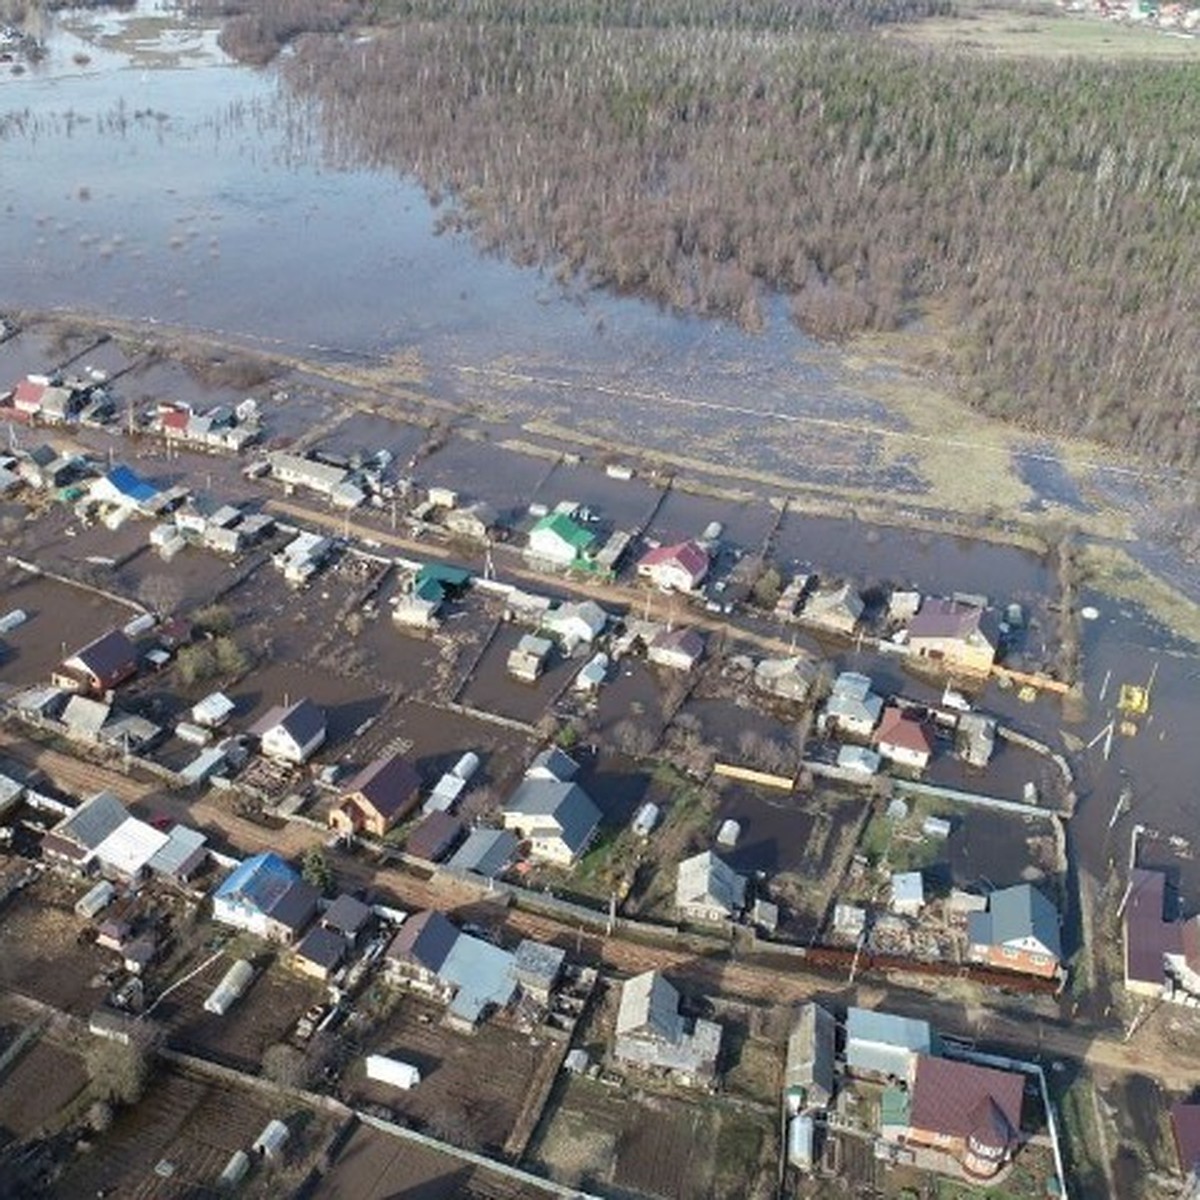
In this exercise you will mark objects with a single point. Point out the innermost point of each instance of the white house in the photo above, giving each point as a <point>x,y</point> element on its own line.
<point>678,649</point>
<point>678,568</point>
<point>559,540</point>
<point>709,889</point>
<point>903,740</point>
<point>576,623</point>
<point>558,819</point>
<point>292,734</point>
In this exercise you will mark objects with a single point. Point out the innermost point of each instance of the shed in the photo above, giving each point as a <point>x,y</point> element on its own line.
<point>908,893</point>
<point>392,1071</point>
<point>434,837</point>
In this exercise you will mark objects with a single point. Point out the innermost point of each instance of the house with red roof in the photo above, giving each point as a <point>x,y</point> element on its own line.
<point>678,568</point>
<point>903,739</point>
<point>969,1112</point>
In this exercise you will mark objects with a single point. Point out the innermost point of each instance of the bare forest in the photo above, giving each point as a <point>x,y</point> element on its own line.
<point>705,153</point>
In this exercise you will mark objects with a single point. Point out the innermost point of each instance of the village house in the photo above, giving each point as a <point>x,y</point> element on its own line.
<point>266,897</point>
<point>559,820</point>
<point>100,666</point>
<point>434,837</point>
<point>787,678</point>
<point>302,557</point>
<point>1019,931</point>
<point>320,953</point>
<point>908,893</point>
<point>902,739</point>
<point>376,798</point>
<point>72,841</point>
<point>558,540</point>
<point>852,708</point>
<point>124,489</point>
<point>552,763</point>
<point>294,470</point>
<point>292,734</point>
<point>881,1045</point>
<point>975,738</point>
<point>678,568</point>
<point>708,889</point>
<point>471,976</point>
<point>487,853</point>
<point>837,610</point>
<point>538,968</point>
<point>527,659</point>
<point>1185,1130</point>
<point>575,623</point>
<point>968,1112</point>
<point>474,521</point>
<point>1162,957</point>
<point>652,1034</point>
<point>953,634</point>
<point>809,1070</point>
<point>676,649</point>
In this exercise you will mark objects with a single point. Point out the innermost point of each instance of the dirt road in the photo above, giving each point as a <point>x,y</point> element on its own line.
<point>713,973</point>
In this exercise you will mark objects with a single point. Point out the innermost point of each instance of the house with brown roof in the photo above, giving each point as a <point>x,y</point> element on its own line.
<point>1162,957</point>
<point>678,568</point>
<point>903,740</point>
<point>954,635</point>
<point>377,797</point>
<point>100,666</point>
<point>678,649</point>
<point>1185,1127</point>
<point>971,1113</point>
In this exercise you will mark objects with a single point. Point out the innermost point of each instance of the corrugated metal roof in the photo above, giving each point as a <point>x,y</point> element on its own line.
<point>182,843</point>
<point>93,820</point>
<point>486,852</point>
<point>482,974</point>
<point>131,846</point>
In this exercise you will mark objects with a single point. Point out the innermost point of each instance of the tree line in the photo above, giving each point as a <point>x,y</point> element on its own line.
<point>1047,211</point>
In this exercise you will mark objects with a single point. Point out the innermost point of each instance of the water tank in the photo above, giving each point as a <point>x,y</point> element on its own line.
<point>466,766</point>
<point>729,833</point>
<point>712,531</point>
<point>237,980</point>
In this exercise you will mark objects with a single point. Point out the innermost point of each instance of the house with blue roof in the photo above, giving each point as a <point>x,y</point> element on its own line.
<point>265,896</point>
<point>125,488</point>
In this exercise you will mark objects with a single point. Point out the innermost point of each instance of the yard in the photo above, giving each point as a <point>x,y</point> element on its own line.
<point>612,1141</point>
<point>473,1086</point>
<point>176,1141</point>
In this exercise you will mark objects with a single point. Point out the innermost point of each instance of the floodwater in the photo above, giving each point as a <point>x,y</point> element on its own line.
<point>157,181</point>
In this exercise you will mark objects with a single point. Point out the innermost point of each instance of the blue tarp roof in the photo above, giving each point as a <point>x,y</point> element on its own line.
<point>130,484</point>
<point>260,881</point>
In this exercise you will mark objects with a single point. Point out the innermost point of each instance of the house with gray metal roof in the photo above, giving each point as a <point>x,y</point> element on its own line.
<point>852,706</point>
<point>808,1074</point>
<point>558,819</point>
<point>1018,932</point>
<point>74,838</point>
<point>486,852</point>
<point>652,1033</point>
<point>183,854</point>
<point>708,889</point>
<point>882,1045</point>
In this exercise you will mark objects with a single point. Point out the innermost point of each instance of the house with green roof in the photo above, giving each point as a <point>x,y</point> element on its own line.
<point>559,540</point>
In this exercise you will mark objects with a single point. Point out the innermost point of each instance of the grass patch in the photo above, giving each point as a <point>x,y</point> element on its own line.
<point>1113,571</point>
<point>1035,30</point>
<point>738,1153</point>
